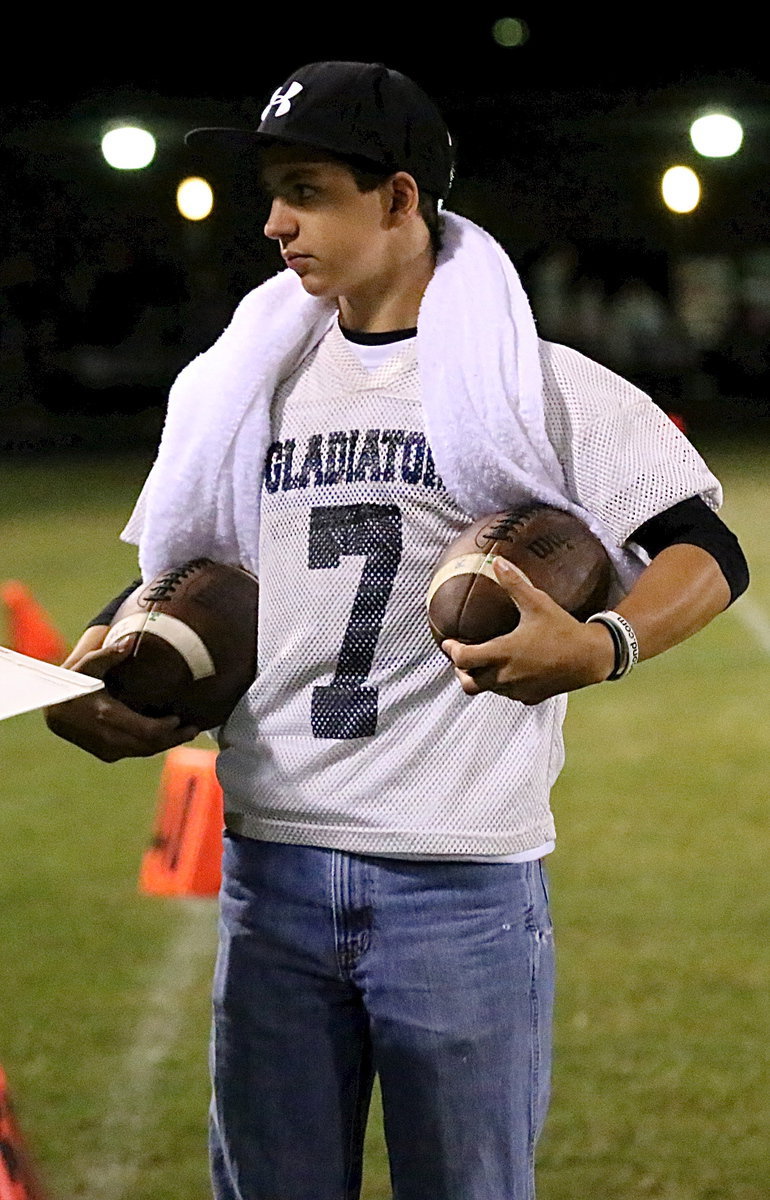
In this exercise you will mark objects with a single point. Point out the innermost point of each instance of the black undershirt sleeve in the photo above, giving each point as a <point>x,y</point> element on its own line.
<point>693,523</point>
<point>109,610</point>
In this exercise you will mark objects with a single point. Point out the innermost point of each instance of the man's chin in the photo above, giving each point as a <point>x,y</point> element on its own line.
<point>316,287</point>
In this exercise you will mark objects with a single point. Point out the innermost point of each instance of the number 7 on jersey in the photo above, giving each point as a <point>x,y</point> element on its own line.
<point>347,708</point>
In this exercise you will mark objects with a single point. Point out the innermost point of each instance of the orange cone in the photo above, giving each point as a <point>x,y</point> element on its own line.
<point>31,630</point>
<point>184,858</point>
<point>17,1178</point>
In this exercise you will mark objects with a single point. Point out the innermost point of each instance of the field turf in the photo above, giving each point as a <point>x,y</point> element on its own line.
<point>659,893</point>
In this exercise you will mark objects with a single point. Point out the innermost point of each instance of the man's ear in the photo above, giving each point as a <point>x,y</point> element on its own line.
<point>404,196</point>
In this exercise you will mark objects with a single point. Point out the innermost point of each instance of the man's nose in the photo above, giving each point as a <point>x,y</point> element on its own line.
<point>281,223</point>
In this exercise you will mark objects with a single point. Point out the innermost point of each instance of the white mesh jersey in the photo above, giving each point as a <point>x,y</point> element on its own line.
<point>356,734</point>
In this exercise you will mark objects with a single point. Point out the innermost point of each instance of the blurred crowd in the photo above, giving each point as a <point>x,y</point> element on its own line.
<point>693,332</point>
<point>88,348</point>
<point>105,338</point>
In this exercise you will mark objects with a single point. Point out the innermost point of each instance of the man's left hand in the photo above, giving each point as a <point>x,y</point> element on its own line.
<point>547,653</point>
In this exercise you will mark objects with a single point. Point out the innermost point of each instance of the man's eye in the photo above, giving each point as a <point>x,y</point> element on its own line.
<point>304,191</point>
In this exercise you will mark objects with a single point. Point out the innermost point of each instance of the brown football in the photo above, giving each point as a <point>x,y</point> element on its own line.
<point>554,549</point>
<point>194,643</point>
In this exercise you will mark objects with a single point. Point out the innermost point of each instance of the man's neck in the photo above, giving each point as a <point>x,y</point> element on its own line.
<point>388,305</point>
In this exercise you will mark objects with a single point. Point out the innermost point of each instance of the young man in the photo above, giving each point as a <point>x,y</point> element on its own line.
<point>384,904</point>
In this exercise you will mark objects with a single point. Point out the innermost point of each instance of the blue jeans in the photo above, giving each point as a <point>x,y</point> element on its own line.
<point>334,966</point>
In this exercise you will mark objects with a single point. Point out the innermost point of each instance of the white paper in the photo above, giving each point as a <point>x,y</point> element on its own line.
<point>27,683</point>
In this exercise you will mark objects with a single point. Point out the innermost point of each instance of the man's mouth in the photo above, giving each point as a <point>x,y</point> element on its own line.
<point>297,262</point>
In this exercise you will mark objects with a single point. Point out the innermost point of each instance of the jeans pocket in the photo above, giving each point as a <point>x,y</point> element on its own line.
<point>541,911</point>
<point>544,881</point>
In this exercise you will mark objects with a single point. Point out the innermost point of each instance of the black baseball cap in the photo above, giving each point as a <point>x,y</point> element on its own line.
<point>361,111</point>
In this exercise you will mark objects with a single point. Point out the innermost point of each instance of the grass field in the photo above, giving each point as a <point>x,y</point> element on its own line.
<point>659,892</point>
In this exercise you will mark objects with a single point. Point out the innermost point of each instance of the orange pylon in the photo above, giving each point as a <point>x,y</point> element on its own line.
<point>30,629</point>
<point>18,1180</point>
<point>185,856</point>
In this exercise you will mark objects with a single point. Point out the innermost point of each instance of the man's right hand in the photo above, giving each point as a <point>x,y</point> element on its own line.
<point>103,726</point>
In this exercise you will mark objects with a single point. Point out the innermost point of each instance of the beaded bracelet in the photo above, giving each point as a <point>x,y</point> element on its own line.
<point>623,639</point>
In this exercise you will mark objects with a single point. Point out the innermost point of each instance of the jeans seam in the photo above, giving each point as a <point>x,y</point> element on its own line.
<point>534,1088</point>
<point>353,1127</point>
<point>337,907</point>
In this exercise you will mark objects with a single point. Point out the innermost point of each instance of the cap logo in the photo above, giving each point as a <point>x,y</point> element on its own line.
<point>282,100</point>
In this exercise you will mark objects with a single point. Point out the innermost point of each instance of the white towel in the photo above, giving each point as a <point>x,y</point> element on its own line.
<point>481,387</point>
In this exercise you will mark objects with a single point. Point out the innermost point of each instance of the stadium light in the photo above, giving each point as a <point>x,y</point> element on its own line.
<point>510,31</point>
<point>128,148</point>
<point>716,135</point>
<point>680,187</point>
<point>194,198</point>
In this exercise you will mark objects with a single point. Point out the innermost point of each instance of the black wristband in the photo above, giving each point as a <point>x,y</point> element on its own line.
<point>619,648</point>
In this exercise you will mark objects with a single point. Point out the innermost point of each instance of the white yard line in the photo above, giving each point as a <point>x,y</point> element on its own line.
<point>113,1169</point>
<point>755,618</point>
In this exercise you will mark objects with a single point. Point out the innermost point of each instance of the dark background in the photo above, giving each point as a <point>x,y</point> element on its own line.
<point>105,291</point>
